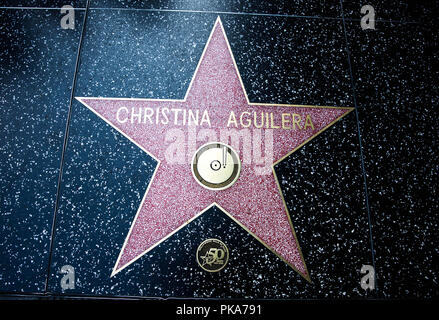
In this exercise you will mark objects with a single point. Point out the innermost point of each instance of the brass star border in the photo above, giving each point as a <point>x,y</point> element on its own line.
<point>218,21</point>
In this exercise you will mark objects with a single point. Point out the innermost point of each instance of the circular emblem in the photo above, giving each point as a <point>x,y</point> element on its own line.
<point>216,166</point>
<point>212,255</point>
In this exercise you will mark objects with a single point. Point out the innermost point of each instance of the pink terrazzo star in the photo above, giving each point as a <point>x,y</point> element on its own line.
<point>173,197</point>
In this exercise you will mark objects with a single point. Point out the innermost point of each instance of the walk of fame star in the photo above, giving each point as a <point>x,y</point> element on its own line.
<point>173,197</point>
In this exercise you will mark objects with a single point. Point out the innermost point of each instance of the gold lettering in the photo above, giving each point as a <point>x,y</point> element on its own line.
<point>232,119</point>
<point>165,112</point>
<point>136,115</point>
<point>248,120</point>
<point>308,122</point>
<point>205,118</point>
<point>148,113</point>
<point>285,121</point>
<point>256,122</point>
<point>273,126</point>
<point>118,112</point>
<point>296,120</point>
<point>193,117</point>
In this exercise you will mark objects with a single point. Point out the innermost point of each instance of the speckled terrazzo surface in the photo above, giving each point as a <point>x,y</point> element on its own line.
<point>310,56</point>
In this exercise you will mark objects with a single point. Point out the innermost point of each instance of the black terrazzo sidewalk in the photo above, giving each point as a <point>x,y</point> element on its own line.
<point>362,192</point>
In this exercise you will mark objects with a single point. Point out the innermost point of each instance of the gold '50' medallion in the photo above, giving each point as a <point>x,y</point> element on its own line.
<point>212,255</point>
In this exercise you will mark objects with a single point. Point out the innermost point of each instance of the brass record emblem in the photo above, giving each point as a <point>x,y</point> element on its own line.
<point>216,166</point>
<point>212,255</point>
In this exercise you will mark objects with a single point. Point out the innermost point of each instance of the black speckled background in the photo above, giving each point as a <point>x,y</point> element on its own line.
<point>362,192</point>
